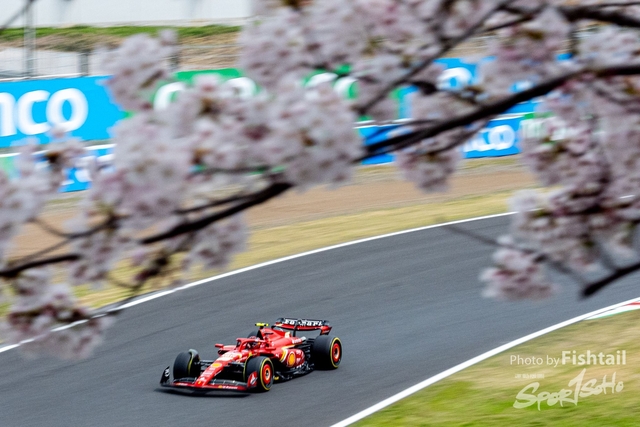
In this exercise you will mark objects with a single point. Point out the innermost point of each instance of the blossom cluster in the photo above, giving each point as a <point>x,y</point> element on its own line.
<point>38,311</point>
<point>136,67</point>
<point>525,52</point>
<point>181,175</point>
<point>516,275</point>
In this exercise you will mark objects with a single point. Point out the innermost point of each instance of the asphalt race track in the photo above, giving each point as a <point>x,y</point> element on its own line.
<point>406,308</point>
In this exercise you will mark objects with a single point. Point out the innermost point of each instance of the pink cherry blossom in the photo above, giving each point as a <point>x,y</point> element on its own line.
<point>180,176</point>
<point>516,275</point>
<point>429,172</point>
<point>276,47</point>
<point>45,318</point>
<point>136,66</point>
<point>217,243</point>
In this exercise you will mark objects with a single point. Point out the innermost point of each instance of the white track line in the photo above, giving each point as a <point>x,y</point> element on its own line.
<point>442,375</point>
<point>288,258</point>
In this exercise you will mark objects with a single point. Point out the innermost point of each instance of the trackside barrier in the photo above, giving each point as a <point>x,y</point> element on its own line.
<point>83,107</point>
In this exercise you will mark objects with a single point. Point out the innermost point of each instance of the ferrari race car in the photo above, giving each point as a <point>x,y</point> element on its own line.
<point>253,364</point>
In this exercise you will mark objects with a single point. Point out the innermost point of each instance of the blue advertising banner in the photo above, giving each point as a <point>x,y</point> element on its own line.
<point>373,134</point>
<point>501,137</point>
<point>457,73</point>
<point>81,106</point>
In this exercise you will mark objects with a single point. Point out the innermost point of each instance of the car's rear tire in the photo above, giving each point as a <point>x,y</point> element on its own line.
<point>187,365</point>
<point>263,367</point>
<point>326,352</point>
<point>255,333</point>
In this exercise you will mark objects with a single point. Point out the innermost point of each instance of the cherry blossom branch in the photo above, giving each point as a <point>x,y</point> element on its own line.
<point>186,227</point>
<point>524,16</point>
<point>214,204</point>
<point>236,171</point>
<point>110,222</point>
<point>619,273</point>
<point>541,257</point>
<point>446,46</point>
<point>611,97</point>
<point>575,13</point>
<point>304,136</point>
<point>489,110</point>
<point>260,197</point>
<point>45,251</point>
<point>48,228</point>
<point>493,109</point>
<point>617,4</point>
<point>13,271</point>
<point>515,21</point>
<point>160,263</point>
<point>374,149</point>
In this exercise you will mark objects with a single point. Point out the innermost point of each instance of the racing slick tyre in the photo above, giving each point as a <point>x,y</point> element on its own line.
<point>326,352</point>
<point>187,365</point>
<point>255,333</point>
<point>264,373</point>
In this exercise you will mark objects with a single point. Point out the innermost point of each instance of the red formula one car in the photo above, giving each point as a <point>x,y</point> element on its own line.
<point>253,364</point>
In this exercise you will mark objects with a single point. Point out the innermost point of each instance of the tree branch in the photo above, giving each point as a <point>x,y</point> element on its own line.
<point>44,251</point>
<point>515,21</point>
<point>15,270</point>
<point>492,109</point>
<point>575,13</point>
<point>186,227</point>
<point>213,204</point>
<point>616,4</point>
<point>617,274</point>
<point>260,197</point>
<point>524,16</point>
<point>488,110</point>
<point>539,256</point>
<point>448,45</point>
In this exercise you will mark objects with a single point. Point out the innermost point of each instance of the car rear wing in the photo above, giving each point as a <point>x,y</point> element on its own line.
<point>303,325</point>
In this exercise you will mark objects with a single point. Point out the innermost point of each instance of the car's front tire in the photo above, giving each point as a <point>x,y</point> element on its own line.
<point>187,365</point>
<point>262,367</point>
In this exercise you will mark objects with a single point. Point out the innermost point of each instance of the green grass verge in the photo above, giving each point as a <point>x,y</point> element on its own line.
<point>484,395</point>
<point>13,34</point>
<point>86,38</point>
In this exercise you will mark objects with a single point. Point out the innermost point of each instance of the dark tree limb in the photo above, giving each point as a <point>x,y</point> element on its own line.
<point>187,227</point>
<point>619,273</point>
<point>213,204</point>
<point>13,271</point>
<point>616,4</point>
<point>488,110</point>
<point>492,109</point>
<point>576,13</point>
<point>539,256</point>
